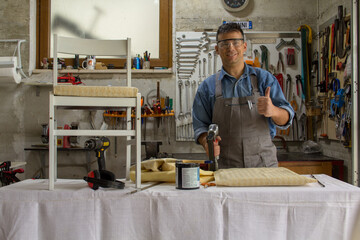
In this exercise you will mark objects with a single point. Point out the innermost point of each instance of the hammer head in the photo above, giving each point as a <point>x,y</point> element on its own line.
<point>213,132</point>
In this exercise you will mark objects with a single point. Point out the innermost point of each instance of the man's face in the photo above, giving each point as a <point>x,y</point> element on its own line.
<point>231,47</point>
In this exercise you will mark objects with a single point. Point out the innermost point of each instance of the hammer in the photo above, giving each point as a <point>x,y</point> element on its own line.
<point>211,137</point>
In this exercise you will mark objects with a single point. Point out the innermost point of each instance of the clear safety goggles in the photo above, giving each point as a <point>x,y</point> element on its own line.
<point>236,42</point>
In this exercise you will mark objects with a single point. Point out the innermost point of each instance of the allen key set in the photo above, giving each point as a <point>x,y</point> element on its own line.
<point>195,61</point>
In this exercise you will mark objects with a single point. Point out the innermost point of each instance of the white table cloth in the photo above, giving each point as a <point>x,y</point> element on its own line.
<point>74,211</point>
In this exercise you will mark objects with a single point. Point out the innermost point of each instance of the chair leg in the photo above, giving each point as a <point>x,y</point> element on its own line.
<point>138,142</point>
<point>51,142</point>
<point>128,143</point>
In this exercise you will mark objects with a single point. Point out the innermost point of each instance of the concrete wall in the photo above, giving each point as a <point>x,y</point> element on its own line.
<point>24,108</point>
<point>267,15</point>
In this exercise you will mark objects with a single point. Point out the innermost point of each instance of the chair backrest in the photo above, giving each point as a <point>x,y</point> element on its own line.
<point>82,46</point>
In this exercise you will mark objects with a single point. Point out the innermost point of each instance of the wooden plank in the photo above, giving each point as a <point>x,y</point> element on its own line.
<point>308,167</point>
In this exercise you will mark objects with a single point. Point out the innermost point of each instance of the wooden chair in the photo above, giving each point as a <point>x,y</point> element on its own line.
<point>94,97</point>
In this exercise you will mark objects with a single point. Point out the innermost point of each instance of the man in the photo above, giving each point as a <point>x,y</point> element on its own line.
<point>246,103</point>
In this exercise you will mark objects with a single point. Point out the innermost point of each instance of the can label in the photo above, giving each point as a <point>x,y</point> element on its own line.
<point>190,177</point>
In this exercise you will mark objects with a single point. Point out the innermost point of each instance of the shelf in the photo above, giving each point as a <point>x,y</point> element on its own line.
<point>107,71</point>
<point>43,77</point>
<point>142,115</point>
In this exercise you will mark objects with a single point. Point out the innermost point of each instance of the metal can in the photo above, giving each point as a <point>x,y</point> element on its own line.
<point>187,175</point>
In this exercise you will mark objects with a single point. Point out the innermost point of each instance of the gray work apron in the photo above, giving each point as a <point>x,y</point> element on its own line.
<point>245,136</point>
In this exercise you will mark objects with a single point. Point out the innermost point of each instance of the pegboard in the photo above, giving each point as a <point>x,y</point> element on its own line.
<point>338,75</point>
<point>196,59</point>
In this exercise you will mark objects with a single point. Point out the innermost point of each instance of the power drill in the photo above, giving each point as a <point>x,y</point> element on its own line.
<point>99,145</point>
<point>211,137</point>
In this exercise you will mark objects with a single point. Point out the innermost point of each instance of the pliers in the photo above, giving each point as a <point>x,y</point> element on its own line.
<point>280,63</point>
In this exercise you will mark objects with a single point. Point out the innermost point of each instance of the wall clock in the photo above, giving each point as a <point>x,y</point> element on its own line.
<point>235,5</point>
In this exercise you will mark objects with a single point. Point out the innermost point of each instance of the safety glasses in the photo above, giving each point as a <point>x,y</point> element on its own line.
<point>236,42</point>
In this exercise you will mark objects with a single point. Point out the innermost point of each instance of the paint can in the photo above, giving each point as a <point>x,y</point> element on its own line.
<point>187,175</point>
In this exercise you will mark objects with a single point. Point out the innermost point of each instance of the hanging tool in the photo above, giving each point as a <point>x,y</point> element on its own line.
<point>325,58</point>
<point>256,59</point>
<point>280,64</point>
<point>306,40</point>
<point>315,68</point>
<point>287,43</point>
<point>167,111</point>
<point>340,51</point>
<point>299,82</point>
<point>179,39</point>
<point>264,57</point>
<point>188,109</point>
<point>295,123</point>
<point>200,77</point>
<point>180,118</point>
<point>211,138</point>
<point>215,62</point>
<point>157,105</point>
<point>204,68</point>
<point>295,127</point>
<point>290,56</point>
<point>280,79</point>
<point>348,107</point>
<point>332,47</point>
<point>337,102</point>
<point>284,131</point>
<point>288,87</point>
<point>324,108</point>
<point>209,64</point>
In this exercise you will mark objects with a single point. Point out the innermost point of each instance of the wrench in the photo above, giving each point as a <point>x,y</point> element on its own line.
<point>188,110</point>
<point>187,61</point>
<point>209,34</point>
<point>200,80</point>
<point>193,87</point>
<point>185,65</point>
<point>209,64</point>
<point>179,46</point>
<point>187,87</point>
<point>181,114</point>
<point>195,57</point>
<point>185,69</point>
<point>215,62</point>
<point>179,52</point>
<point>204,67</point>
<point>188,39</point>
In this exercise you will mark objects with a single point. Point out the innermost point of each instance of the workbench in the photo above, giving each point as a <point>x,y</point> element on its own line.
<point>312,163</point>
<point>74,211</point>
<point>44,154</point>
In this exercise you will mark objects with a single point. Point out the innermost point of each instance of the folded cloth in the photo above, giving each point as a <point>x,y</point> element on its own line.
<point>164,170</point>
<point>259,177</point>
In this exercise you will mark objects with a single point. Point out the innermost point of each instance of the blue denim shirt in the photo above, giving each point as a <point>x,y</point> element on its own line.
<point>231,87</point>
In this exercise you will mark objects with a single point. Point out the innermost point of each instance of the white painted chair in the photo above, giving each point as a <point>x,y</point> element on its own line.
<point>94,97</point>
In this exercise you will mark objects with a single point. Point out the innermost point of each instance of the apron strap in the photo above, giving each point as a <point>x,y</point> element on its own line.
<point>254,84</point>
<point>218,88</point>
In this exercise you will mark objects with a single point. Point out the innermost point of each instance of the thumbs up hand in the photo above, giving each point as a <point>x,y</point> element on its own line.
<point>264,104</point>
